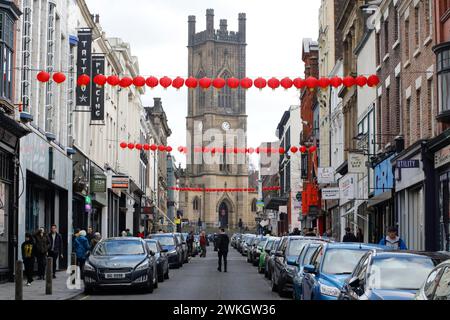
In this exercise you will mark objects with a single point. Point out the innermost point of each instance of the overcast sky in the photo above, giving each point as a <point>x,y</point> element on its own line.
<point>157,33</point>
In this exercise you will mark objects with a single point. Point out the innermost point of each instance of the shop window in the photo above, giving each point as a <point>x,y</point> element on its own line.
<point>6,55</point>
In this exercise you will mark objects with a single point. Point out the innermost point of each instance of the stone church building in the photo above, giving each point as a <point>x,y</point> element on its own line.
<point>217,119</point>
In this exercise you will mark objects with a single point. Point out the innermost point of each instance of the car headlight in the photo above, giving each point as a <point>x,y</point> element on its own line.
<point>88,267</point>
<point>329,291</point>
<point>142,266</point>
<point>172,252</point>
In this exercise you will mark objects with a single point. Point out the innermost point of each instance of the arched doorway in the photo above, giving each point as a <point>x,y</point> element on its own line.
<point>223,215</point>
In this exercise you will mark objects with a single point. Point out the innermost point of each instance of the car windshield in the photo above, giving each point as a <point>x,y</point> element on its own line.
<point>341,261</point>
<point>309,253</point>
<point>250,240</point>
<point>268,244</point>
<point>262,244</point>
<point>295,247</point>
<point>152,246</point>
<point>165,240</point>
<point>119,248</point>
<point>401,273</point>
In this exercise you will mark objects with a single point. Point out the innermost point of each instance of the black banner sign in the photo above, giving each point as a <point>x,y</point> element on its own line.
<point>84,65</point>
<point>98,93</point>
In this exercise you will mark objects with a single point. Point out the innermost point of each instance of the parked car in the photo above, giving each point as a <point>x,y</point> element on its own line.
<point>390,275</point>
<point>253,248</point>
<point>286,257</point>
<point>170,243</point>
<point>184,247</point>
<point>331,265</point>
<point>259,250</point>
<point>303,259</point>
<point>437,285</point>
<point>161,258</point>
<point>264,254</point>
<point>234,239</point>
<point>247,244</point>
<point>270,261</point>
<point>121,262</point>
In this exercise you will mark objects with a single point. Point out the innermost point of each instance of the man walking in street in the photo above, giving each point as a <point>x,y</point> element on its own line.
<point>223,242</point>
<point>190,243</point>
<point>56,247</point>
<point>393,241</point>
<point>41,245</point>
<point>203,243</point>
<point>349,236</point>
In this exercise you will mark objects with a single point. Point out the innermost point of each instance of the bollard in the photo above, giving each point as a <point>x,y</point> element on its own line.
<point>73,269</point>
<point>49,276</point>
<point>19,280</point>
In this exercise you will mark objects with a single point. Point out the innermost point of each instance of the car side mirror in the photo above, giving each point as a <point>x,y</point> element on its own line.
<point>152,253</point>
<point>309,269</point>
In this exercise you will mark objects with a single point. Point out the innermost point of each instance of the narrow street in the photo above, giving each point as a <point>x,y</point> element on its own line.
<point>200,280</point>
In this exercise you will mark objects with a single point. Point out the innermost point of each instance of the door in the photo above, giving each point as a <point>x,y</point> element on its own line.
<point>4,213</point>
<point>223,215</point>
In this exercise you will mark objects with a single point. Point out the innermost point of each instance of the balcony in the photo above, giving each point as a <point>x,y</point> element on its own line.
<point>442,52</point>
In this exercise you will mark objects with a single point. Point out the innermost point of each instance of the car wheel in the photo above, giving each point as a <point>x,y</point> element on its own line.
<point>161,278</point>
<point>88,290</point>
<point>150,287</point>
<point>274,286</point>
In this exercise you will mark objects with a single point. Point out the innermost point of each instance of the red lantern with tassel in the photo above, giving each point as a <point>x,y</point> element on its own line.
<point>153,147</point>
<point>286,83</point>
<point>205,83</point>
<point>336,82</point>
<point>260,83</point>
<point>361,81</point>
<point>59,77</point>
<point>311,82</point>
<point>146,147</point>
<point>178,83</point>
<point>125,82</point>
<point>139,81</point>
<point>165,82</point>
<point>123,145</point>
<point>152,82</point>
<point>233,83</point>
<point>299,83</point>
<point>219,83</point>
<point>139,146</point>
<point>303,149</point>
<point>43,76</point>
<point>113,80</point>
<point>100,80</point>
<point>83,80</point>
<point>131,146</point>
<point>162,148</point>
<point>282,151</point>
<point>246,83</point>
<point>169,149</point>
<point>191,83</point>
<point>273,83</point>
<point>349,81</point>
<point>373,81</point>
<point>294,149</point>
<point>324,83</point>
<point>313,149</point>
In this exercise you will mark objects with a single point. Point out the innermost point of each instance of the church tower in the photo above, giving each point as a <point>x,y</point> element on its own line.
<point>217,118</point>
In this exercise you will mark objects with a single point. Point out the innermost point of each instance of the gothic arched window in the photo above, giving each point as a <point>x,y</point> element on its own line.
<point>196,204</point>
<point>254,205</point>
<point>201,94</point>
<point>225,93</point>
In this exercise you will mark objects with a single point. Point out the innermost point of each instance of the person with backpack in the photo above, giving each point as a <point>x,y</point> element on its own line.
<point>28,257</point>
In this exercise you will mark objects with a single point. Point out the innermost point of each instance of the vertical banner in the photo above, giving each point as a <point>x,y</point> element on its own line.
<point>98,93</point>
<point>84,65</point>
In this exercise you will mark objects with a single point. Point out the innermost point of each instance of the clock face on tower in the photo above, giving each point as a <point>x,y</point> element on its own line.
<point>226,126</point>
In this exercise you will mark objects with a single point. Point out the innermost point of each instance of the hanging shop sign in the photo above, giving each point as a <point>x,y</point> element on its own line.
<point>442,157</point>
<point>357,163</point>
<point>408,164</point>
<point>326,175</point>
<point>98,183</point>
<point>84,66</point>
<point>98,92</point>
<point>331,194</point>
<point>347,186</point>
<point>120,182</point>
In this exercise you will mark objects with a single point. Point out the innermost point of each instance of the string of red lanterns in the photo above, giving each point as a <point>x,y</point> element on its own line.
<point>181,149</point>
<point>217,83</point>
<point>229,190</point>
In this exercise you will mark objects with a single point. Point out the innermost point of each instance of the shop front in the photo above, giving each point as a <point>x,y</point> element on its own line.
<point>347,202</point>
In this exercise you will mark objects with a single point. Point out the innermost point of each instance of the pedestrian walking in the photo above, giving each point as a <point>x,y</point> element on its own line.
<point>28,257</point>
<point>203,242</point>
<point>296,232</point>
<point>56,247</point>
<point>223,242</point>
<point>97,238</point>
<point>42,245</point>
<point>349,236</point>
<point>90,234</point>
<point>82,247</point>
<point>393,241</point>
<point>310,233</point>
<point>360,236</point>
<point>190,243</point>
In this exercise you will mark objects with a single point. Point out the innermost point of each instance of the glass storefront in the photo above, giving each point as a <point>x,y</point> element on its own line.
<point>444,205</point>
<point>4,207</point>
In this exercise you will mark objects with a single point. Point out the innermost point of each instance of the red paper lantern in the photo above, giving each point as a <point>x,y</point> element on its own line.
<point>206,150</point>
<point>213,150</point>
<point>123,145</point>
<point>139,146</point>
<point>169,149</point>
<point>139,81</point>
<point>349,81</point>
<point>205,83</point>
<point>286,83</point>
<point>131,146</point>
<point>100,80</point>
<point>336,82</point>
<point>311,82</point>
<point>294,149</point>
<point>257,150</point>
<point>251,150</point>
<point>165,82</point>
<point>125,82</point>
<point>153,147</point>
<point>260,83</point>
<point>313,149</point>
<point>146,147</point>
<point>178,83</point>
<point>180,149</point>
<point>273,83</point>
<point>246,83</point>
<point>324,82</point>
<point>191,83</point>
<point>113,80</point>
<point>233,83</point>
<point>361,81</point>
<point>299,83</point>
<point>59,77</point>
<point>373,81</point>
<point>152,82</point>
<point>43,76</point>
<point>83,80</point>
<point>219,83</point>
<point>303,149</point>
<point>236,150</point>
<point>162,148</point>
<point>282,151</point>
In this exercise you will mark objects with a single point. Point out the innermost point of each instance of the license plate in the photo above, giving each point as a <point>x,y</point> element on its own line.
<point>115,275</point>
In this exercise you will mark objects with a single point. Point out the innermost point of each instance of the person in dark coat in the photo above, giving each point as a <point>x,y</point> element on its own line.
<point>310,233</point>
<point>42,245</point>
<point>203,243</point>
<point>81,246</point>
<point>360,236</point>
<point>56,247</point>
<point>28,257</point>
<point>349,236</point>
<point>223,242</point>
<point>190,242</point>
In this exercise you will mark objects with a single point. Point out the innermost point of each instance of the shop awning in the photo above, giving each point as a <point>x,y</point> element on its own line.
<point>275,203</point>
<point>380,199</point>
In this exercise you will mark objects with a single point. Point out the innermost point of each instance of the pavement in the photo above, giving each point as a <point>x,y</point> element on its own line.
<point>200,280</point>
<point>37,290</point>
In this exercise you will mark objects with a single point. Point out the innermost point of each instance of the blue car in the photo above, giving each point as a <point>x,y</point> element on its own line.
<point>331,264</point>
<point>390,275</point>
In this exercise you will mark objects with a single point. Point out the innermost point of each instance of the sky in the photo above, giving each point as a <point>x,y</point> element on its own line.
<point>157,31</point>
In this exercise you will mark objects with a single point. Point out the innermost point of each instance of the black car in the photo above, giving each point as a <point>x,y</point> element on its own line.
<point>121,262</point>
<point>270,261</point>
<point>184,247</point>
<point>161,258</point>
<point>170,243</point>
<point>284,266</point>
